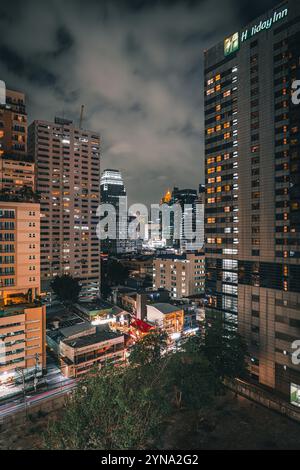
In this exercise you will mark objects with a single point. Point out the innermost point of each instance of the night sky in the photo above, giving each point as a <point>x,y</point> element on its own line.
<point>136,66</point>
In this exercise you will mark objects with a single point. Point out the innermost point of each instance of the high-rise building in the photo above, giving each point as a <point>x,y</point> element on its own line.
<point>253,192</point>
<point>113,192</point>
<point>190,218</point>
<point>22,317</point>
<point>16,166</point>
<point>68,172</point>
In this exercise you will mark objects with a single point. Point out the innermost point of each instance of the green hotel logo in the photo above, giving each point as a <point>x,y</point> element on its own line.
<point>231,44</point>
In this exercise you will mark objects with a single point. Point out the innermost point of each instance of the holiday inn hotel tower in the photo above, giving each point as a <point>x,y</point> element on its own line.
<point>252,215</point>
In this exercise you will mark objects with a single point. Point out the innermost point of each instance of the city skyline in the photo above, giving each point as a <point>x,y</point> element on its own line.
<point>137,67</point>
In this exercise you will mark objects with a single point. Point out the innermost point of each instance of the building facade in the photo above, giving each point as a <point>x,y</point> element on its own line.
<point>16,166</point>
<point>253,191</point>
<point>22,317</point>
<point>182,275</point>
<point>68,170</point>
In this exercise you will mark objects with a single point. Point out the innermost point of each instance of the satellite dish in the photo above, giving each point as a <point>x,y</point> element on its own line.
<point>2,92</point>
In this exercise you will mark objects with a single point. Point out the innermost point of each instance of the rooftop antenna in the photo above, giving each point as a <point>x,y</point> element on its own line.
<point>81,117</point>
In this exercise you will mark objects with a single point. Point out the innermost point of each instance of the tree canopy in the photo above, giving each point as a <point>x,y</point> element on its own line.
<point>128,407</point>
<point>66,288</point>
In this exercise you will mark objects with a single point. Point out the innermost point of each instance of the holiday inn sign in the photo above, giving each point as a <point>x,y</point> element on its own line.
<point>232,43</point>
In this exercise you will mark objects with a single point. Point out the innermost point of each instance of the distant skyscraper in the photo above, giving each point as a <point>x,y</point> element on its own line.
<point>113,192</point>
<point>22,318</point>
<point>253,192</point>
<point>187,199</point>
<point>68,172</point>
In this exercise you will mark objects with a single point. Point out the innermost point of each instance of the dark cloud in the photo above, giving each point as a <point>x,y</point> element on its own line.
<point>137,67</point>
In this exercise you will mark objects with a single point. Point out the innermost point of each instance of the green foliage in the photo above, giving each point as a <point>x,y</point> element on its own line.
<point>149,350</point>
<point>226,350</point>
<point>115,409</point>
<point>117,273</point>
<point>66,288</point>
<point>127,408</point>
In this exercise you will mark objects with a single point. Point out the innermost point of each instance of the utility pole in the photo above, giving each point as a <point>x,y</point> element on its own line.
<point>22,375</point>
<point>35,380</point>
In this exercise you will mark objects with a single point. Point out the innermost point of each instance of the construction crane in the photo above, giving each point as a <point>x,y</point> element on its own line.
<point>81,117</point>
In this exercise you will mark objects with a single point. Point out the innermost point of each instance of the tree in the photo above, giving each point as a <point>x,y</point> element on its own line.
<point>149,350</point>
<point>225,349</point>
<point>117,273</point>
<point>66,288</point>
<point>114,409</point>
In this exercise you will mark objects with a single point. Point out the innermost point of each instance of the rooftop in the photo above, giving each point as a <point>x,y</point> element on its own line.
<point>75,329</point>
<point>166,308</point>
<point>100,337</point>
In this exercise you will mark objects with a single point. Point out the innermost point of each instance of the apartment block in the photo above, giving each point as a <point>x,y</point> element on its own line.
<point>68,173</point>
<point>16,167</point>
<point>182,275</point>
<point>22,317</point>
<point>252,215</point>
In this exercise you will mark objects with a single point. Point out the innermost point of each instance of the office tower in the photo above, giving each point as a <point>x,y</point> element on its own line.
<point>68,171</point>
<point>113,192</point>
<point>182,275</point>
<point>22,318</point>
<point>253,192</point>
<point>182,237</point>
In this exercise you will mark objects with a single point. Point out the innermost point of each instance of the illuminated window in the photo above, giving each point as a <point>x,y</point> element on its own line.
<point>210,91</point>
<point>218,77</point>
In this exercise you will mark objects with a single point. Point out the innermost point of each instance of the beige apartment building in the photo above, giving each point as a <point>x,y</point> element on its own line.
<point>22,318</point>
<point>182,275</point>
<point>68,174</point>
<point>16,167</point>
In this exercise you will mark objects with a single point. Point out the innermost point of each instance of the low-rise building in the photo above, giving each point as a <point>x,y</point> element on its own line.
<point>169,318</point>
<point>84,346</point>
<point>83,353</point>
